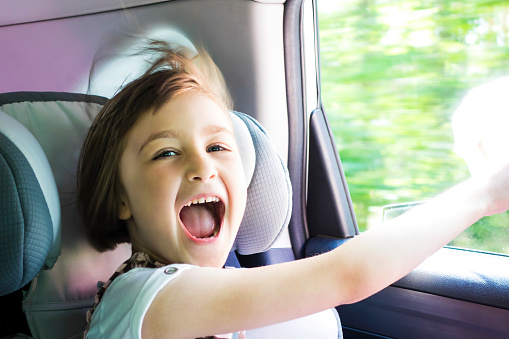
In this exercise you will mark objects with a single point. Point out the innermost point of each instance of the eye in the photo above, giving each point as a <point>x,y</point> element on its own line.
<point>215,148</point>
<point>165,154</point>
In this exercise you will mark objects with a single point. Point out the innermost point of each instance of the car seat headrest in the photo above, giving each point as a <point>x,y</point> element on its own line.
<point>29,207</point>
<point>269,194</point>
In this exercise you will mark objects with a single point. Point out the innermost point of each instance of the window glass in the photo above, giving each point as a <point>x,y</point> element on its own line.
<point>393,76</point>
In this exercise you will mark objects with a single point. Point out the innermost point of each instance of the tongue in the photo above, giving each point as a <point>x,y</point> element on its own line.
<point>198,220</point>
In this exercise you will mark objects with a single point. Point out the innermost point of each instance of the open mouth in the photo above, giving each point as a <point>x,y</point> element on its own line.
<point>202,217</point>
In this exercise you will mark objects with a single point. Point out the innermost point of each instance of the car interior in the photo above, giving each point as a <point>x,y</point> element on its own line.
<point>62,61</point>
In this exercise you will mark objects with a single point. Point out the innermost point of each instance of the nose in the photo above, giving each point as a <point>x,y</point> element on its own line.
<point>201,168</point>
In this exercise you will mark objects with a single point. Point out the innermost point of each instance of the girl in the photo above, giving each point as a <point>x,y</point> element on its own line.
<point>160,169</point>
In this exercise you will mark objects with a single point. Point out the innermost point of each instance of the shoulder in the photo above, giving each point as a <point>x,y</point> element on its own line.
<point>126,301</point>
<point>137,278</point>
<point>143,280</point>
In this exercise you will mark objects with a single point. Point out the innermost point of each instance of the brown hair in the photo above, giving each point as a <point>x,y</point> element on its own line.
<point>174,73</point>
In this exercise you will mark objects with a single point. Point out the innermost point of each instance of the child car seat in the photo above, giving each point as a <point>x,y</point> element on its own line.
<point>61,292</point>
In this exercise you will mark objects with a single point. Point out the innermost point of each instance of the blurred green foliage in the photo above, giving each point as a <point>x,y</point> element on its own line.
<point>393,72</point>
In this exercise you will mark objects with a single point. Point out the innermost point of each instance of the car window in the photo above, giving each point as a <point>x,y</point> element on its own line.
<point>394,76</point>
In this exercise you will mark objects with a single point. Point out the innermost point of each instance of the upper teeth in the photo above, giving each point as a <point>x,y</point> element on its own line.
<point>202,200</point>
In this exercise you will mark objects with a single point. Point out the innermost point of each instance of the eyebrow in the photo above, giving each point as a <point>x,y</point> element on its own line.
<point>170,134</point>
<point>166,134</point>
<point>214,130</point>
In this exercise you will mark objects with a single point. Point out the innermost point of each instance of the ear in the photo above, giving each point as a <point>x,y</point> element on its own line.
<point>124,211</point>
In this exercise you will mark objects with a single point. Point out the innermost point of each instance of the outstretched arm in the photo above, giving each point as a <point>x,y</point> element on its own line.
<point>205,301</point>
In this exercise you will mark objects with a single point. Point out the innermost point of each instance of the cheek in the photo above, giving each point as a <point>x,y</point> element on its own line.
<point>151,192</point>
<point>154,190</point>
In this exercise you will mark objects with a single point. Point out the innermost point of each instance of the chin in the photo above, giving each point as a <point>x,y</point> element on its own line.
<point>208,260</point>
<point>210,263</point>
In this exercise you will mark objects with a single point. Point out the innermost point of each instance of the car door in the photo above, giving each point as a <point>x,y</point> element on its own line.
<point>392,75</point>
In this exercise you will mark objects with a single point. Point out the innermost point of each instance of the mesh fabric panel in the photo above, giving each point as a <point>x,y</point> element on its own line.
<point>26,231</point>
<point>269,196</point>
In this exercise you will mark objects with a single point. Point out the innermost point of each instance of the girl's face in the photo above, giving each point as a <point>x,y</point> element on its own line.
<point>184,184</point>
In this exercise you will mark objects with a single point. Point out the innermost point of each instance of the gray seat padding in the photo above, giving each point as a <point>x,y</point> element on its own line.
<point>26,229</point>
<point>269,198</point>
